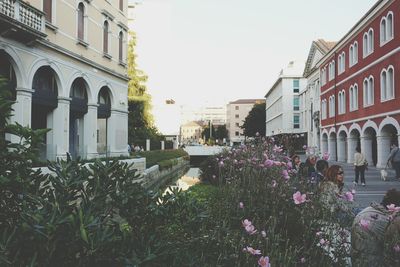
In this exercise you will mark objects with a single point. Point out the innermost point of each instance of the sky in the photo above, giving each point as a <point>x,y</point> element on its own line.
<point>211,52</point>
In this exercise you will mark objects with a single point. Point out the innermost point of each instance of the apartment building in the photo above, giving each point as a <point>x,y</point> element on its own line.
<point>359,88</point>
<point>65,62</point>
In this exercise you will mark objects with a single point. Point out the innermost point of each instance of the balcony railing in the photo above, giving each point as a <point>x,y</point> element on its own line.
<point>23,15</point>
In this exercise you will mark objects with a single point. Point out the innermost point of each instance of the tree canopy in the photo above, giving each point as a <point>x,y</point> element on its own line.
<point>255,121</point>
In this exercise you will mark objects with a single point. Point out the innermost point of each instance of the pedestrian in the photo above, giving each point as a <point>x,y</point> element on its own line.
<point>322,167</point>
<point>360,165</point>
<point>296,163</point>
<point>137,148</point>
<point>370,230</point>
<point>394,158</point>
<point>308,169</point>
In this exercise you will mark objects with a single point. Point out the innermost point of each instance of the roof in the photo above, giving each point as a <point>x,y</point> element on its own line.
<point>247,101</point>
<point>323,46</point>
<point>191,124</point>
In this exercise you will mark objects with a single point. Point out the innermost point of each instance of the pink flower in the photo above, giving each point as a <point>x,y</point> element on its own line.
<point>303,260</point>
<point>322,241</point>
<point>221,163</point>
<point>264,262</point>
<point>348,196</point>
<point>393,208</point>
<point>263,233</point>
<point>268,163</point>
<point>277,163</point>
<point>304,147</point>
<point>396,248</point>
<point>353,191</point>
<point>285,174</point>
<point>241,205</point>
<point>318,233</point>
<point>365,224</point>
<point>299,198</point>
<point>246,223</point>
<point>277,149</point>
<point>250,229</point>
<point>273,183</point>
<point>252,251</point>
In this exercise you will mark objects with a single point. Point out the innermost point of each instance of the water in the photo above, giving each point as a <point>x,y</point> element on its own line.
<point>190,178</point>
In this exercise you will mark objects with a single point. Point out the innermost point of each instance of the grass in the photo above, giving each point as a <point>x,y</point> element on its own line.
<point>164,158</point>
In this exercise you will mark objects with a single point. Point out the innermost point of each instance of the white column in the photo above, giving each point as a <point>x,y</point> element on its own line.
<point>351,149</point>
<point>88,148</point>
<point>162,145</point>
<point>147,144</point>
<point>383,143</point>
<point>117,133</point>
<point>22,110</point>
<point>60,127</point>
<point>332,148</point>
<point>342,149</point>
<point>366,148</point>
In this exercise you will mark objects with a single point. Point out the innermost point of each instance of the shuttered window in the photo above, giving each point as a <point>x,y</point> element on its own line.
<point>81,21</point>
<point>121,5</point>
<point>105,37</point>
<point>120,46</point>
<point>47,8</point>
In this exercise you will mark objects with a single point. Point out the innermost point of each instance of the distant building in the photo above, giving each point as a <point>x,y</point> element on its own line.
<point>191,132</point>
<point>66,66</point>
<point>236,113</point>
<point>283,101</point>
<point>215,114</point>
<point>310,95</point>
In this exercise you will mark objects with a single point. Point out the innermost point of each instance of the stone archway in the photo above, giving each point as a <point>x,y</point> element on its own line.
<point>342,147</point>
<point>353,141</point>
<point>369,145</point>
<point>332,146</point>
<point>388,135</point>
<point>103,115</point>
<point>324,143</point>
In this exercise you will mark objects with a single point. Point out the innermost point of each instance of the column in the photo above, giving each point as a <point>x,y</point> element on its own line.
<point>332,148</point>
<point>351,149</point>
<point>366,148</point>
<point>162,145</point>
<point>22,110</point>
<point>60,129</point>
<point>342,149</point>
<point>88,147</point>
<point>147,144</point>
<point>117,133</point>
<point>383,143</point>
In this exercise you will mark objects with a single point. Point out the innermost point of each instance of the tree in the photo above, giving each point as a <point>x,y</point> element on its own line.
<point>221,132</point>
<point>255,121</point>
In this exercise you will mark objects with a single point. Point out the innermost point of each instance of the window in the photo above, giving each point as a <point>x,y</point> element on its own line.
<point>47,9</point>
<point>368,91</point>
<point>386,28</point>
<point>236,133</point>
<point>342,102</point>
<point>121,5</point>
<point>368,42</point>
<point>296,121</point>
<point>331,106</point>
<point>323,76</point>
<point>236,107</point>
<point>353,54</point>
<point>105,37</point>
<point>331,70</point>
<point>341,62</point>
<point>237,116</point>
<point>81,21</point>
<point>353,97</point>
<point>237,124</point>
<point>120,46</point>
<point>323,109</point>
<point>387,84</point>
<point>296,86</point>
<point>296,103</point>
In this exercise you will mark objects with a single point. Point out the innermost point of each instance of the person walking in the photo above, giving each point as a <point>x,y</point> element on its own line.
<point>394,158</point>
<point>360,164</point>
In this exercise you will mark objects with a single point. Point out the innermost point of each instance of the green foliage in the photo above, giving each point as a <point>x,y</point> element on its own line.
<point>255,121</point>
<point>155,157</point>
<point>218,132</point>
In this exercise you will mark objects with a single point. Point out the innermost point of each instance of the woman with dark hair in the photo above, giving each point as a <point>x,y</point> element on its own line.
<point>335,175</point>
<point>331,188</point>
<point>296,163</point>
<point>360,164</point>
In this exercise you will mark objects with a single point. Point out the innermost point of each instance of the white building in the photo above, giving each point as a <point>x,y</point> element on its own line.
<point>283,101</point>
<point>215,114</point>
<point>65,62</point>
<point>310,95</point>
<point>236,113</point>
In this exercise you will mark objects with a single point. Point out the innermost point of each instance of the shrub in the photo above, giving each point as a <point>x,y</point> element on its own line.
<point>157,156</point>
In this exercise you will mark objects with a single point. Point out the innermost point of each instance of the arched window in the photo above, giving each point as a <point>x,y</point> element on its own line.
<point>368,91</point>
<point>105,37</point>
<point>47,9</point>
<point>383,36</point>
<point>390,83</point>
<point>121,5</point>
<point>370,41</point>
<point>389,26</point>
<point>383,85</point>
<point>355,97</point>
<point>355,53</point>
<point>386,28</point>
<point>332,106</point>
<point>365,44</point>
<point>81,21</point>
<point>323,109</point>
<point>120,46</point>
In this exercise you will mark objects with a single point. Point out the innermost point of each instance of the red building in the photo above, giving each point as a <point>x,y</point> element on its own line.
<point>360,88</point>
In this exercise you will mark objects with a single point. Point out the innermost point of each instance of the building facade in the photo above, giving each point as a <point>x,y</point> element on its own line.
<point>191,133</point>
<point>65,62</point>
<point>283,101</point>
<point>360,92</point>
<point>236,113</point>
<point>310,95</point>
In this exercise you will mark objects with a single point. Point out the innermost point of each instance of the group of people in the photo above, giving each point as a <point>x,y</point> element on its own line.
<point>375,231</point>
<point>134,148</point>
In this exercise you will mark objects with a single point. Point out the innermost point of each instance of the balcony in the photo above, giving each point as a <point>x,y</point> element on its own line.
<point>21,21</point>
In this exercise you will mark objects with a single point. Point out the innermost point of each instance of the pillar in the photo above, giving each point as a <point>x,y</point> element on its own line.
<point>162,145</point>
<point>88,146</point>
<point>22,110</point>
<point>341,149</point>
<point>117,133</point>
<point>332,148</point>
<point>366,148</point>
<point>383,143</point>
<point>60,129</point>
<point>147,144</point>
<point>351,149</point>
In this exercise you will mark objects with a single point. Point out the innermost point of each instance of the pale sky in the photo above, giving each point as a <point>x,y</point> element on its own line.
<point>210,52</point>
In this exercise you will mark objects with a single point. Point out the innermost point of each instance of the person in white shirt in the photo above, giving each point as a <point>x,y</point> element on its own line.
<point>360,164</point>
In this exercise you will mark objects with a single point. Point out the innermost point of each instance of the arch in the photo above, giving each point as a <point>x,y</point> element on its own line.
<point>18,66</point>
<point>355,127</point>
<point>57,71</point>
<point>388,121</point>
<point>325,133</point>
<point>343,128</point>
<point>331,131</point>
<point>369,124</point>
<point>382,27</point>
<point>110,91</point>
<point>73,77</point>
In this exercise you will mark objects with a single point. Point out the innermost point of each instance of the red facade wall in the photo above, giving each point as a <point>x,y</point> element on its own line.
<point>375,70</point>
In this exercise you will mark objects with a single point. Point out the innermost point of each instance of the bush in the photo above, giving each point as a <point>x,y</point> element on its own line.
<point>156,157</point>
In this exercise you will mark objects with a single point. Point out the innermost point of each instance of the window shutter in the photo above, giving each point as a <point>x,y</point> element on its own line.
<point>47,8</point>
